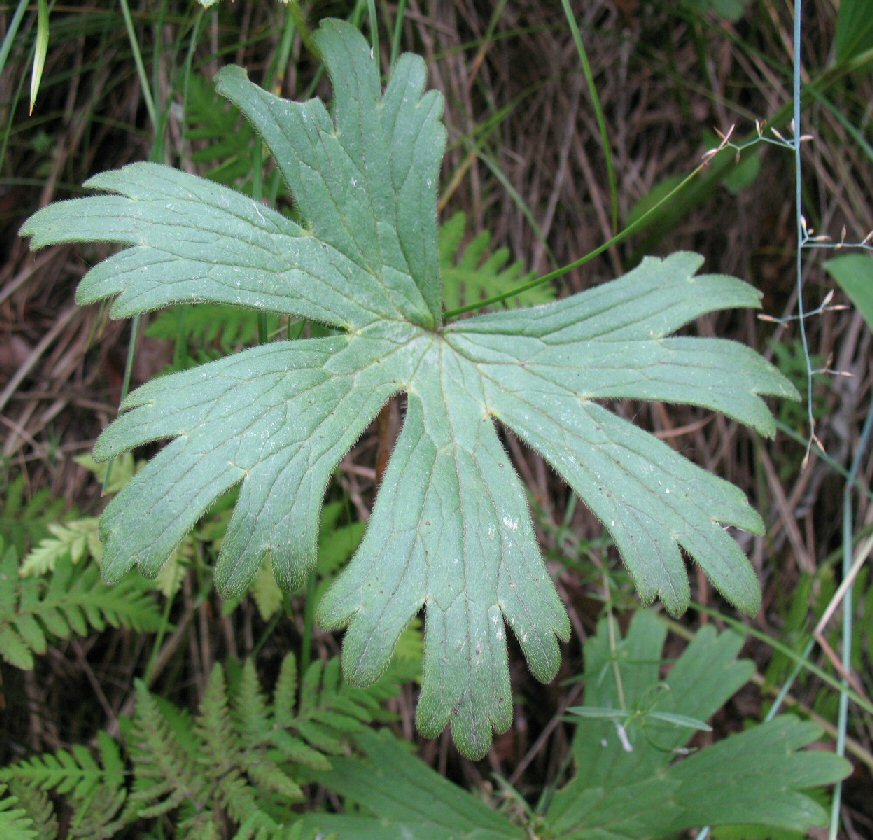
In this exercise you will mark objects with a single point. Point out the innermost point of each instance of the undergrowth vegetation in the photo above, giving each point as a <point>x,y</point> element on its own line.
<point>368,273</point>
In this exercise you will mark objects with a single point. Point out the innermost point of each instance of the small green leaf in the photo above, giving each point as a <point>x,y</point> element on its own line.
<point>451,530</point>
<point>266,592</point>
<point>597,713</point>
<point>14,650</point>
<point>731,10</point>
<point>683,721</point>
<point>15,823</point>
<point>854,273</point>
<point>854,29</point>
<point>40,49</point>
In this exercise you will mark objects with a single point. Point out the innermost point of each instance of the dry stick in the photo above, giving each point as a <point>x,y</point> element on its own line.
<point>384,432</point>
<point>99,694</point>
<point>35,355</point>
<point>860,557</point>
<point>560,175</point>
<point>25,274</point>
<point>862,554</point>
<point>546,733</point>
<point>14,441</point>
<point>788,523</point>
<point>848,676</point>
<point>160,662</point>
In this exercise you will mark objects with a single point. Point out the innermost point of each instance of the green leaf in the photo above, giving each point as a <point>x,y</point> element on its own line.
<point>731,10</point>
<point>406,798</point>
<point>451,531</point>
<point>40,49</point>
<point>854,29</point>
<point>854,273</point>
<point>628,783</point>
<point>767,774</point>
<point>266,592</point>
<point>15,824</point>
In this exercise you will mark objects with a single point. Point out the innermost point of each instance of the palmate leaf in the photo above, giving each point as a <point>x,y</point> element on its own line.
<point>450,530</point>
<point>630,784</point>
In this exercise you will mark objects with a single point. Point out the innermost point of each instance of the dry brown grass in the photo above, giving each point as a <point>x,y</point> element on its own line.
<point>663,82</point>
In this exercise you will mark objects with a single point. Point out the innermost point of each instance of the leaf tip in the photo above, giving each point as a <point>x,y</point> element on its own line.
<point>229,75</point>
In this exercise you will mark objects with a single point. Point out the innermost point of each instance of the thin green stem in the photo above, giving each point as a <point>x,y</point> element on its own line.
<point>302,27</point>
<point>159,637</point>
<point>6,48</point>
<point>799,222</point>
<point>272,624</point>
<point>591,255</point>
<point>794,656</point>
<point>280,60</point>
<point>522,205</point>
<point>308,622</point>
<point>843,715</point>
<point>156,126</point>
<point>598,112</point>
<point>189,57</point>
<point>125,384</point>
<point>816,450</point>
<point>374,30</point>
<point>398,29</point>
<point>140,67</point>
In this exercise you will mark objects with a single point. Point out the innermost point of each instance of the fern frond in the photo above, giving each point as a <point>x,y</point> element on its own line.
<point>15,823</point>
<point>73,772</point>
<point>95,791</point>
<point>214,727</point>
<point>285,692</point>
<point>240,761</point>
<point>166,774</point>
<point>478,273</point>
<point>201,825</point>
<point>76,539</point>
<point>220,325</point>
<point>72,600</point>
<point>227,140</point>
<point>331,710</point>
<point>240,801</point>
<point>235,754</point>
<point>251,713</point>
<point>38,807</point>
<point>23,520</point>
<point>100,816</point>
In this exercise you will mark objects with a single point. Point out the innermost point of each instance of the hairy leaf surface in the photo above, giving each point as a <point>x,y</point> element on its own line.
<point>451,530</point>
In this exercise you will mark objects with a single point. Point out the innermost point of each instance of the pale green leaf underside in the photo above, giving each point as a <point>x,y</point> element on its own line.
<point>450,531</point>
